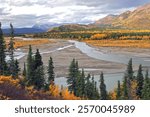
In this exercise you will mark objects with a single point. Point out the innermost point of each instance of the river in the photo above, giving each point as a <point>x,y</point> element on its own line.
<point>110,79</point>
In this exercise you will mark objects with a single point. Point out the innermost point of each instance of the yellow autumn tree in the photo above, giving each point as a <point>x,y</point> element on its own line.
<point>54,90</point>
<point>98,36</point>
<point>66,95</point>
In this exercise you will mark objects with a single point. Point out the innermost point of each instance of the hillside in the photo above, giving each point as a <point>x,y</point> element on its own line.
<point>139,19</point>
<point>106,21</point>
<point>70,27</point>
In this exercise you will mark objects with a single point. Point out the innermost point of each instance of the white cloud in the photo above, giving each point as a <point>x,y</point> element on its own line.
<point>28,12</point>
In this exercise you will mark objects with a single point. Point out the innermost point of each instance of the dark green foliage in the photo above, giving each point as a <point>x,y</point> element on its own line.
<point>37,60</point>
<point>17,69</point>
<point>35,70</point>
<point>146,75</point>
<point>90,91</point>
<point>3,64</point>
<point>118,91</point>
<point>146,88</point>
<point>39,78</point>
<point>81,84</point>
<point>125,89</point>
<point>30,70</point>
<point>12,66</point>
<point>73,75</point>
<point>129,71</point>
<point>50,71</point>
<point>103,92</point>
<point>140,81</point>
<point>24,70</point>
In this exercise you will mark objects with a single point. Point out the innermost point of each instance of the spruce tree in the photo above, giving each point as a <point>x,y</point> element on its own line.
<point>50,71</point>
<point>30,70</point>
<point>118,90</point>
<point>129,71</point>
<point>90,92</point>
<point>146,88</point>
<point>12,66</point>
<point>24,70</point>
<point>147,75</point>
<point>140,80</point>
<point>37,60</point>
<point>103,92</point>
<point>125,89</point>
<point>87,86</point>
<point>80,84</point>
<point>39,81</point>
<point>17,69</point>
<point>72,78</point>
<point>3,64</point>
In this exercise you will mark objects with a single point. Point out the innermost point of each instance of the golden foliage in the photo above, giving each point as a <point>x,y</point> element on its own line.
<point>21,43</point>
<point>98,36</point>
<point>66,95</point>
<point>119,43</point>
<point>8,79</point>
<point>54,90</point>
<point>113,95</point>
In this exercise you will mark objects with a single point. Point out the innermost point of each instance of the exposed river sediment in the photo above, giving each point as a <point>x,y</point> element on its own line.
<point>93,60</point>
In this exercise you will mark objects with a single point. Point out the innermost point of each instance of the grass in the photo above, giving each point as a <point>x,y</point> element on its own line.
<point>119,43</point>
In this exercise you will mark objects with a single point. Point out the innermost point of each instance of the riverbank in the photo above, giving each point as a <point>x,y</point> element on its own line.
<point>63,52</point>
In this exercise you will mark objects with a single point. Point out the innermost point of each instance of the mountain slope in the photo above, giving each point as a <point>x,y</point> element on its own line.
<point>139,18</point>
<point>106,21</point>
<point>70,27</point>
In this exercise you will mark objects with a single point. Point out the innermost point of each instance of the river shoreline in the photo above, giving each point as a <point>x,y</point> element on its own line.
<point>63,52</point>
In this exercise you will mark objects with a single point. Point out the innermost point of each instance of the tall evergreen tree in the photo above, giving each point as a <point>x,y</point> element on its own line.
<point>129,71</point>
<point>72,78</point>
<point>118,90</point>
<point>103,92</point>
<point>90,91</point>
<point>50,71</point>
<point>30,70</point>
<point>3,64</point>
<point>17,69</point>
<point>37,60</point>
<point>140,81</point>
<point>125,89</point>
<point>24,70</point>
<point>12,66</point>
<point>146,88</point>
<point>80,84</point>
<point>39,80</point>
<point>147,75</point>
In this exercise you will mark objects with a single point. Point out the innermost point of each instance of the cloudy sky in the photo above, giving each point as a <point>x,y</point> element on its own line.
<point>26,13</point>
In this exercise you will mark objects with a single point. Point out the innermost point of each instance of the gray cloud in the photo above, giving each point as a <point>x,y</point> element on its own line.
<point>61,11</point>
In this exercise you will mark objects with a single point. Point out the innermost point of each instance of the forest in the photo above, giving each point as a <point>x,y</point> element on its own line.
<point>105,37</point>
<point>36,81</point>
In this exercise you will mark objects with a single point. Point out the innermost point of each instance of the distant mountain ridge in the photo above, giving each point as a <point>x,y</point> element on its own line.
<point>137,19</point>
<point>19,31</point>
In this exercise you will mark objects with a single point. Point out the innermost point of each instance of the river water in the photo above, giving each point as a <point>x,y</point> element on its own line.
<point>110,79</point>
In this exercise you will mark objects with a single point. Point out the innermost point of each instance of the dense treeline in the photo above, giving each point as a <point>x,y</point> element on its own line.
<point>102,34</point>
<point>38,82</point>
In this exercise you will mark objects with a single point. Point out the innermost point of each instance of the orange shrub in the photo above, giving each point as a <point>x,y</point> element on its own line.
<point>66,95</point>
